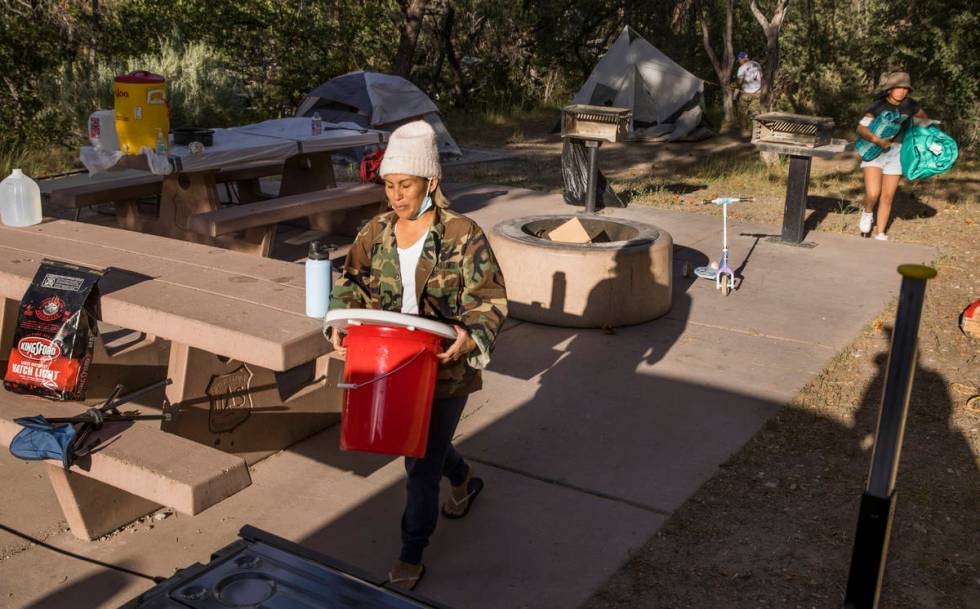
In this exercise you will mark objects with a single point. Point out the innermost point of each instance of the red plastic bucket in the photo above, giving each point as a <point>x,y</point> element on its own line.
<point>389,377</point>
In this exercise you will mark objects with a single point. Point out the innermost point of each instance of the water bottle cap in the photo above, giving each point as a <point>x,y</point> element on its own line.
<point>17,172</point>
<point>316,253</point>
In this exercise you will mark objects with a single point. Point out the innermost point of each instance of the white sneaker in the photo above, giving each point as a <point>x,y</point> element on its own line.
<point>864,225</point>
<point>881,237</point>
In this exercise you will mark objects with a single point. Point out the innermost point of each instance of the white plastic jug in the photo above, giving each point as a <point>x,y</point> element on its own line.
<point>20,200</point>
<point>102,130</point>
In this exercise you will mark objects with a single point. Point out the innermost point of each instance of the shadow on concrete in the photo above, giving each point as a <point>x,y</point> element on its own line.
<point>90,591</point>
<point>592,449</point>
<point>803,477</point>
<point>469,202</point>
<point>607,428</point>
<point>740,269</point>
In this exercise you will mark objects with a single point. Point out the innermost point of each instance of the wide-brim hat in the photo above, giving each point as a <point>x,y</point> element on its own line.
<point>895,80</point>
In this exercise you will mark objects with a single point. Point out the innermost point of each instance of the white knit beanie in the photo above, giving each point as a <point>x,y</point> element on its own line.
<point>412,151</point>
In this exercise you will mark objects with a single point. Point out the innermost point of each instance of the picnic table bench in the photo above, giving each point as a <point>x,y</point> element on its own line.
<point>309,205</point>
<point>136,469</point>
<point>250,371</point>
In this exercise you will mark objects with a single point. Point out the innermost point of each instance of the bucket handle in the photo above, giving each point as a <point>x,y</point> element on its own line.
<point>383,376</point>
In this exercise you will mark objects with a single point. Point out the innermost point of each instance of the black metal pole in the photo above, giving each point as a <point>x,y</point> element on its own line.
<point>794,210</point>
<point>115,402</point>
<point>592,194</point>
<point>111,418</point>
<point>878,500</point>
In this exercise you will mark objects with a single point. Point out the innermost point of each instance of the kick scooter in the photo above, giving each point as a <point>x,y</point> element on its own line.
<point>720,272</point>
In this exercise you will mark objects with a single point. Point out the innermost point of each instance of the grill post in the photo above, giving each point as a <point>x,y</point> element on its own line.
<point>801,138</point>
<point>593,187</point>
<point>593,125</point>
<point>794,210</point>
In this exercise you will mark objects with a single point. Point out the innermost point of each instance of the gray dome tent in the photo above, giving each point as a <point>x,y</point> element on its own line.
<point>667,101</point>
<point>379,101</point>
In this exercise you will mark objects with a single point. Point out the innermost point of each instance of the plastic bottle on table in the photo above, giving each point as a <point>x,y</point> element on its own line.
<point>317,124</point>
<point>318,281</point>
<point>161,142</point>
<point>20,200</point>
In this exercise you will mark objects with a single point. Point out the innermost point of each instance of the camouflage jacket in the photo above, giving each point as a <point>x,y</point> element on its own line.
<point>457,282</point>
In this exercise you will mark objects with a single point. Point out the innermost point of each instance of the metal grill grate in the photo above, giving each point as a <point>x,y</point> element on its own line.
<point>597,117</point>
<point>798,129</point>
<point>595,122</point>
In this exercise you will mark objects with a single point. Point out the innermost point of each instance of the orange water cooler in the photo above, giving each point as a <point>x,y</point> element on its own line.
<point>142,111</point>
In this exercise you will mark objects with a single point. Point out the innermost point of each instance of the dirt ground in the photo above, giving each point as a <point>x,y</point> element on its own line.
<point>774,527</point>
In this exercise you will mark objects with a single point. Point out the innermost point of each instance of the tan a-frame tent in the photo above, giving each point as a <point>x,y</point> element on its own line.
<point>667,101</point>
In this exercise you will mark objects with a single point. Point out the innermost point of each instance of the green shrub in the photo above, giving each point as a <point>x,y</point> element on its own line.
<point>203,91</point>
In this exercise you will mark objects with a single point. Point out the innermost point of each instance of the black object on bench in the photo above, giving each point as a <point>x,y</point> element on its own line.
<point>59,438</point>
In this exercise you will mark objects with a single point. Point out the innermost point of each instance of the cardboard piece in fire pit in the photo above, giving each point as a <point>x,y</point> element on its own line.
<point>572,231</point>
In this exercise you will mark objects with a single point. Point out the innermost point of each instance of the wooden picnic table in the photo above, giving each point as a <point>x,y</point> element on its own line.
<point>241,156</point>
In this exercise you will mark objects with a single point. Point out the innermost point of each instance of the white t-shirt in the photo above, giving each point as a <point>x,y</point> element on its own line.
<point>408,260</point>
<point>750,73</point>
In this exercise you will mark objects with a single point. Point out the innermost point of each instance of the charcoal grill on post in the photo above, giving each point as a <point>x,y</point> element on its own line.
<point>594,125</point>
<point>802,138</point>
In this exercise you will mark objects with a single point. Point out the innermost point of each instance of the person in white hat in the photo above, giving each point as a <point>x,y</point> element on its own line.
<point>883,173</point>
<point>421,258</point>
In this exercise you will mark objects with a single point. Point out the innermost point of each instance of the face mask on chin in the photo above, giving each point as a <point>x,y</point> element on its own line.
<point>426,202</point>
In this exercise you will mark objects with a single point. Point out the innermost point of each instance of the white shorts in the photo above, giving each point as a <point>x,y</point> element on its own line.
<point>889,161</point>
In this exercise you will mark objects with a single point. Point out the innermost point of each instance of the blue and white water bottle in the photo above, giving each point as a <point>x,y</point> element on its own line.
<point>319,276</point>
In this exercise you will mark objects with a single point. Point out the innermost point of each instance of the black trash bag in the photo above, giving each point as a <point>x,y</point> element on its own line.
<point>575,171</point>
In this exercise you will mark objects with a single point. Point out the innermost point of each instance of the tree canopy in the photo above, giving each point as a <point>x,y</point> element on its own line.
<point>230,61</point>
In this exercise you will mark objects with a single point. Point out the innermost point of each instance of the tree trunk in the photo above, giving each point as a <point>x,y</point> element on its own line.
<point>457,70</point>
<point>771,28</point>
<point>724,67</point>
<point>410,24</point>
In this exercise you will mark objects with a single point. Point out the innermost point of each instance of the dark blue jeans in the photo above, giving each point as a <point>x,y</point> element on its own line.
<point>424,474</point>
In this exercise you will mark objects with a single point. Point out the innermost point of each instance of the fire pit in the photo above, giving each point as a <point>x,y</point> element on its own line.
<point>621,276</point>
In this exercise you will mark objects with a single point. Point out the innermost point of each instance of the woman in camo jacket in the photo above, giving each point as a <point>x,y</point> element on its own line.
<point>423,259</point>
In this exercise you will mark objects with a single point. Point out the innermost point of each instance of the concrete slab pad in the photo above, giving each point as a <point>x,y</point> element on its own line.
<point>587,440</point>
<point>611,427</point>
<point>520,540</point>
<point>29,504</point>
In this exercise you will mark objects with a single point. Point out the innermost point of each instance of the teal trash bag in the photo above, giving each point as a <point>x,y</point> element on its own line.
<point>927,151</point>
<point>885,125</point>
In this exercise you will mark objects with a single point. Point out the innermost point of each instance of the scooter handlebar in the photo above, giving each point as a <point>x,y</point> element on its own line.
<point>728,200</point>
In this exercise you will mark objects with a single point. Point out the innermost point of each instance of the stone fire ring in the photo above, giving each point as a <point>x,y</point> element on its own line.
<point>623,281</point>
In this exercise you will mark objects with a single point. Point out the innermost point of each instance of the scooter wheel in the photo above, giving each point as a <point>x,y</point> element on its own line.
<point>724,280</point>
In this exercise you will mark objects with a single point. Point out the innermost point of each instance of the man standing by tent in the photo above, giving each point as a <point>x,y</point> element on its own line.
<point>748,86</point>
